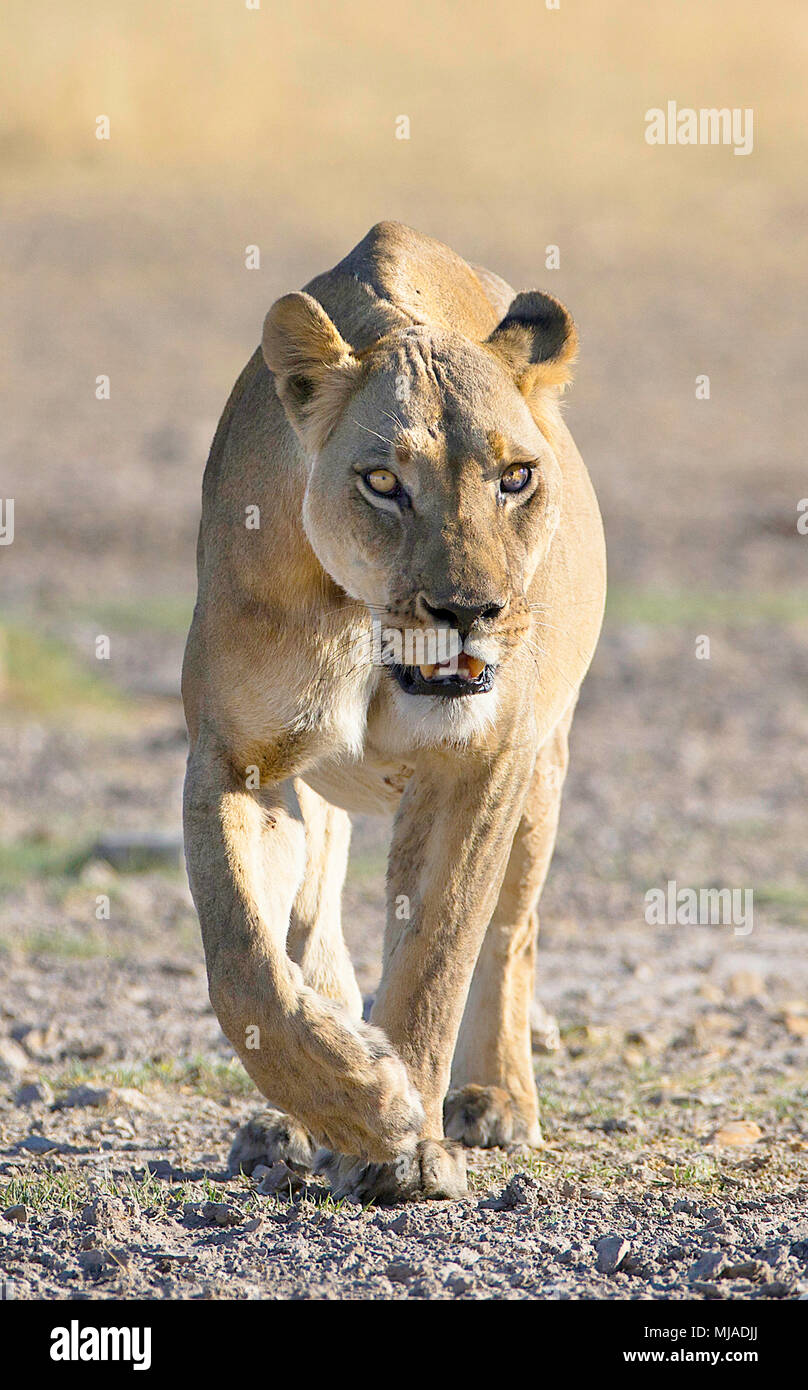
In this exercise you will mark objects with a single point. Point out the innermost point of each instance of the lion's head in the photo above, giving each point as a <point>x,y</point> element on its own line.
<point>434,491</point>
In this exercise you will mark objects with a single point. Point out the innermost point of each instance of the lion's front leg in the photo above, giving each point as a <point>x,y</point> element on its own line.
<point>309,1055</point>
<point>450,847</point>
<point>493,1101</point>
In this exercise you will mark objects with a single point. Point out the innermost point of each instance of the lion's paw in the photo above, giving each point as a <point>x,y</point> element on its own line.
<point>268,1137</point>
<point>485,1117</point>
<point>432,1172</point>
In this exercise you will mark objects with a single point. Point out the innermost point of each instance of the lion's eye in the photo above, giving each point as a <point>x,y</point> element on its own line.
<point>382,481</point>
<point>515,478</point>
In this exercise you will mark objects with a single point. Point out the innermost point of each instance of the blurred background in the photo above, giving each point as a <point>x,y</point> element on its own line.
<point>276,128</point>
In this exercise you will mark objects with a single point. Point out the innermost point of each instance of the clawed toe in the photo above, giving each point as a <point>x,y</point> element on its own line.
<point>486,1117</point>
<point>268,1137</point>
<point>431,1172</point>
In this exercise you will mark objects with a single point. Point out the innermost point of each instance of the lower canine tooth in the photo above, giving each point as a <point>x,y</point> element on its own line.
<point>427,672</point>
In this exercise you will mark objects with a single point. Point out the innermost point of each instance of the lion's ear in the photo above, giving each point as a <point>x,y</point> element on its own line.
<point>537,341</point>
<point>314,368</point>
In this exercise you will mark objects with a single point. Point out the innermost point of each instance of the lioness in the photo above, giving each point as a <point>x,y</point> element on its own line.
<point>391,460</point>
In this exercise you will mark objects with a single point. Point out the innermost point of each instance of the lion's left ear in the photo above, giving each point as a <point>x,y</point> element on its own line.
<point>315,369</point>
<point>537,341</point>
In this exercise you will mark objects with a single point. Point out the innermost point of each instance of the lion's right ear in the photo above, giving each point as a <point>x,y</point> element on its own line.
<point>314,368</point>
<point>537,341</point>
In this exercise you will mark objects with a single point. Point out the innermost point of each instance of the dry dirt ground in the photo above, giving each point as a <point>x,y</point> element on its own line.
<point>675,1103</point>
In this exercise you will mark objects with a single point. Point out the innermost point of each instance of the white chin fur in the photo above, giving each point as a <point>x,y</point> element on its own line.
<point>433,719</point>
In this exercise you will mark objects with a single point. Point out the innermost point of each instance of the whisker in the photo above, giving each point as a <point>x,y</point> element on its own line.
<point>548,657</point>
<point>564,633</point>
<point>394,418</point>
<point>367,430</point>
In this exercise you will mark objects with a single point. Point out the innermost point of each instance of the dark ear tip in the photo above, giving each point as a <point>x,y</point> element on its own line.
<point>528,305</point>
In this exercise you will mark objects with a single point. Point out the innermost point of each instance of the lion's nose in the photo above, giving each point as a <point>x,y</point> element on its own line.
<point>463,616</point>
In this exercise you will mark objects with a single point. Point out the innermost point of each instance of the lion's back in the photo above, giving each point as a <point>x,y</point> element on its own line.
<point>396,276</point>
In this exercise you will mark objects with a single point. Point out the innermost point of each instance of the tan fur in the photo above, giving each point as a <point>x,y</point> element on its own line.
<point>406,357</point>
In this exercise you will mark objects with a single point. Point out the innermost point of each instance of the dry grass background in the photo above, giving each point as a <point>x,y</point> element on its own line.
<point>515,108</point>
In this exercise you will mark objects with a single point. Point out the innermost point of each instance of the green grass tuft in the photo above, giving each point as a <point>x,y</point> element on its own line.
<point>682,608</point>
<point>41,676</point>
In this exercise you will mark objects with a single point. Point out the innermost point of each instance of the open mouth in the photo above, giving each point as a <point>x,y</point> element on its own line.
<point>466,675</point>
